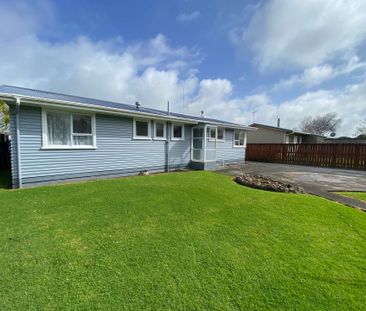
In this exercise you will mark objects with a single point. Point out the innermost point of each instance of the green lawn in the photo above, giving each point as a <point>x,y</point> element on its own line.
<point>182,241</point>
<point>356,195</point>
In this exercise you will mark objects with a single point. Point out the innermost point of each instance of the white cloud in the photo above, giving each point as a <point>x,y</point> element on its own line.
<point>318,74</point>
<point>154,72</point>
<point>287,33</point>
<point>18,18</point>
<point>215,98</point>
<point>150,71</point>
<point>348,103</point>
<point>184,18</point>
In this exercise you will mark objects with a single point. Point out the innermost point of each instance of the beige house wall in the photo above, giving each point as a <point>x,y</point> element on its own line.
<point>266,136</point>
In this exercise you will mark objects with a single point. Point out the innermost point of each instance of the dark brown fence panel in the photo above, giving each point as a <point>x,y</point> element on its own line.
<point>351,156</point>
<point>4,152</point>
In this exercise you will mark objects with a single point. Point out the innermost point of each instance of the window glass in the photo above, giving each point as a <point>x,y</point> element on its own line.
<point>83,140</point>
<point>197,132</point>
<point>198,155</point>
<point>177,131</point>
<point>212,133</point>
<point>239,138</point>
<point>81,124</point>
<point>142,128</point>
<point>197,143</point>
<point>159,130</point>
<point>58,129</point>
<point>220,133</point>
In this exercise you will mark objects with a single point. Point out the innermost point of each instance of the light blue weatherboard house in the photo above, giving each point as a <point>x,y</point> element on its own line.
<point>57,137</point>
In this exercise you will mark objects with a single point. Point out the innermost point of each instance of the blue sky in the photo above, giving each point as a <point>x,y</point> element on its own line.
<point>295,58</point>
<point>192,24</point>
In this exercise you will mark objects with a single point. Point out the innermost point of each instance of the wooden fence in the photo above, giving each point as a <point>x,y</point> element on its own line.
<point>352,156</point>
<point>4,152</point>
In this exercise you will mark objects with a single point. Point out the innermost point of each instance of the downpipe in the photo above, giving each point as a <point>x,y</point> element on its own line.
<point>19,163</point>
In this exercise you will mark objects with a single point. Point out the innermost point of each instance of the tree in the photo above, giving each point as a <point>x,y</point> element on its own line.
<point>361,129</point>
<point>4,117</point>
<point>321,125</point>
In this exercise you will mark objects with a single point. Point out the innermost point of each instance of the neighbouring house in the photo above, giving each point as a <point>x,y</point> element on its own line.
<point>267,134</point>
<point>57,137</point>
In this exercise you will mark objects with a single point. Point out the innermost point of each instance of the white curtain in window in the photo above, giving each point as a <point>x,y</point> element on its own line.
<point>58,129</point>
<point>83,140</point>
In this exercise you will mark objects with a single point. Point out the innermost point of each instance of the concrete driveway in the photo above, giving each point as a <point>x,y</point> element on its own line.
<point>316,180</point>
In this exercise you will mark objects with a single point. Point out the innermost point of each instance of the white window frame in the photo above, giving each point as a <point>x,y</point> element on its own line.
<point>217,132</point>
<point>172,131</point>
<point>244,142</point>
<point>223,134</point>
<point>45,144</point>
<point>209,129</point>
<point>135,136</point>
<point>164,130</point>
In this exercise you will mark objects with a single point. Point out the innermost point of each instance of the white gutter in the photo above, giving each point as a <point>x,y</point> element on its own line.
<point>19,165</point>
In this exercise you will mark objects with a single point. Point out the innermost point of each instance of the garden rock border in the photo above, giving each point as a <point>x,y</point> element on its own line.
<point>266,183</point>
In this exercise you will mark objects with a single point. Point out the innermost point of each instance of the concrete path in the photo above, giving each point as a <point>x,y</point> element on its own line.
<point>315,180</point>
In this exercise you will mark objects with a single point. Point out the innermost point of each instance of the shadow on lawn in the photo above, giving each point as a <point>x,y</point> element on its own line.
<point>4,179</point>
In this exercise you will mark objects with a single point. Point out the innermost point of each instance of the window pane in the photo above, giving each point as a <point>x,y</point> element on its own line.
<point>197,132</point>
<point>198,155</point>
<point>197,143</point>
<point>83,140</point>
<point>159,130</point>
<point>81,124</point>
<point>142,128</point>
<point>177,131</point>
<point>58,128</point>
<point>212,133</point>
<point>220,133</point>
<point>239,138</point>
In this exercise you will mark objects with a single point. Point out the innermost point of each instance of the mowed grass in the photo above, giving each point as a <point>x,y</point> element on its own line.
<point>179,241</point>
<point>356,195</point>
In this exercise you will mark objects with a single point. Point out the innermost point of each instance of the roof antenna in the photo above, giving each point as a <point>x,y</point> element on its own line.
<point>137,104</point>
<point>202,114</point>
<point>168,108</point>
<point>253,112</point>
<point>183,99</point>
<point>278,116</point>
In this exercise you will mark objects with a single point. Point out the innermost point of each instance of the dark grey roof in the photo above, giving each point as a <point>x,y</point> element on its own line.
<point>271,127</point>
<point>282,129</point>
<point>45,95</point>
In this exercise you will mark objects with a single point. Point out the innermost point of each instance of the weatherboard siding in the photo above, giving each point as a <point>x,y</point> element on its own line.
<point>116,153</point>
<point>266,136</point>
<point>225,150</point>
